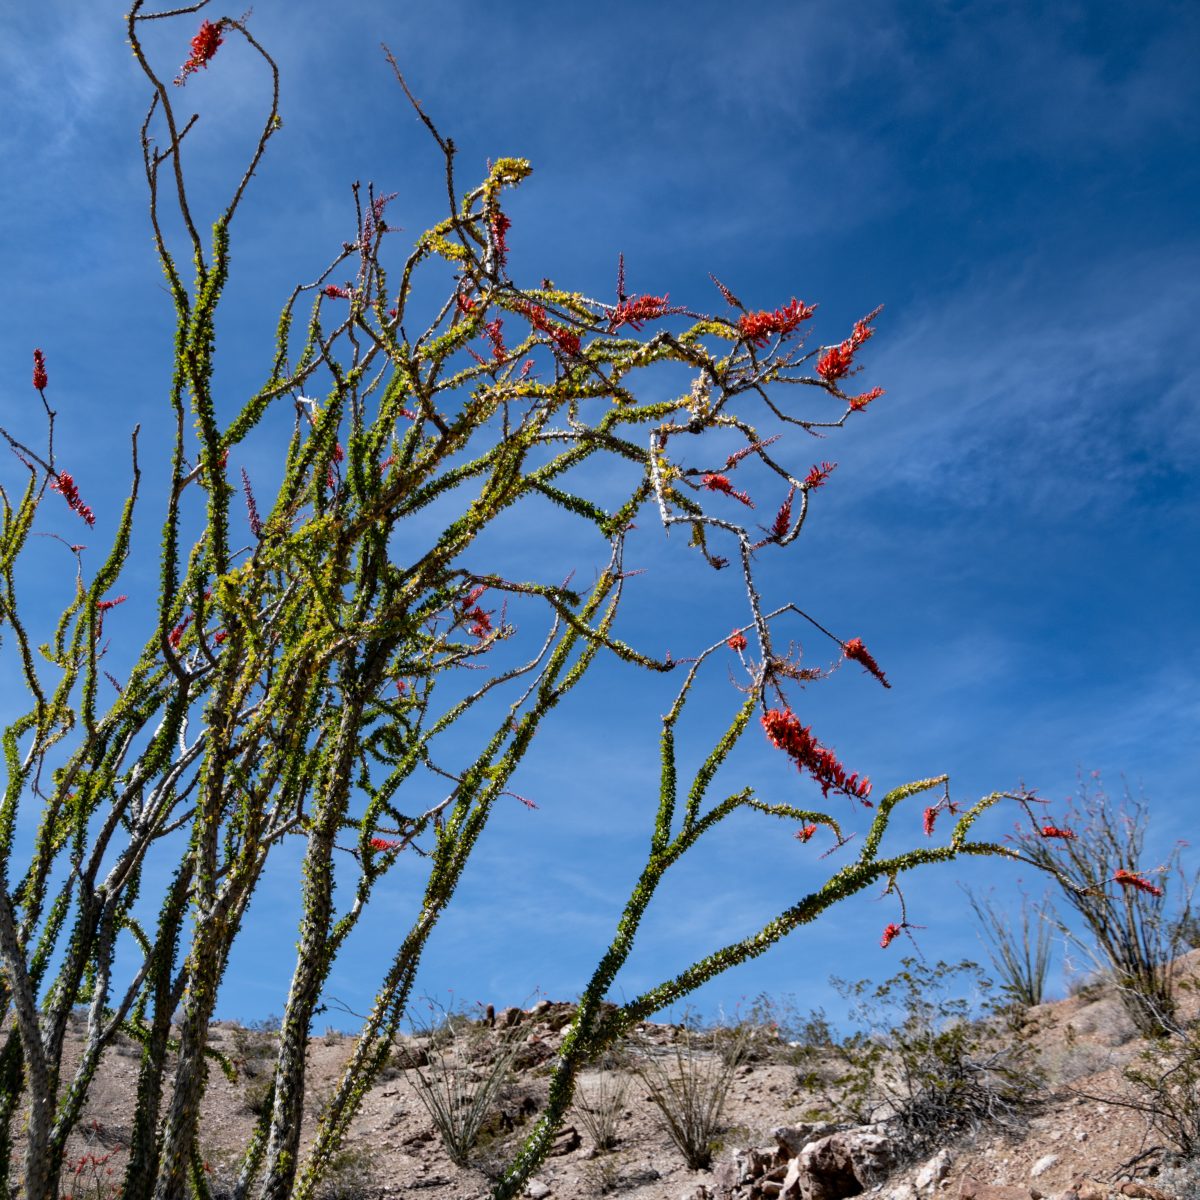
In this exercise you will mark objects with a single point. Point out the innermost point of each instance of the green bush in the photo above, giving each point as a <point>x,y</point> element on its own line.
<point>929,1064</point>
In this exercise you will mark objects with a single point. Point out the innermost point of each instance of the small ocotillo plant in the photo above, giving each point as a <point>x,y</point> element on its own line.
<point>600,1103</point>
<point>312,644</point>
<point>1097,855</point>
<point>465,1073</point>
<point>689,1086</point>
<point>1020,952</point>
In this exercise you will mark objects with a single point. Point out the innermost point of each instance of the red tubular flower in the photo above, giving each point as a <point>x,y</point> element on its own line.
<point>858,403</point>
<point>40,378</point>
<point>500,225</point>
<point>720,483</point>
<point>635,313</point>
<point>862,331</point>
<point>104,605</point>
<point>783,518</point>
<point>818,475</point>
<point>854,649</point>
<point>567,340</point>
<point>382,843</point>
<point>835,362</point>
<point>480,621</point>
<point>492,330</point>
<point>176,634</point>
<point>204,47</point>
<point>805,834</point>
<point>928,820</point>
<point>64,484</point>
<point>736,640</point>
<point>1140,882</point>
<point>757,327</point>
<point>890,934</point>
<point>784,731</point>
<point>535,314</point>
<point>1053,831</point>
<point>335,293</point>
<point>465,303</point>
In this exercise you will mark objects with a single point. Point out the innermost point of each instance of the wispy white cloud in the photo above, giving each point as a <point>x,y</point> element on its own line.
<point>1055,391</point>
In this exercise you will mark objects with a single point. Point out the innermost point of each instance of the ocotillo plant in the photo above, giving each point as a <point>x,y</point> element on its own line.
<point>306,659</point>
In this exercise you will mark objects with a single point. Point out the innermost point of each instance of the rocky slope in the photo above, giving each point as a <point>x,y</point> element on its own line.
<point>1077,1139</point>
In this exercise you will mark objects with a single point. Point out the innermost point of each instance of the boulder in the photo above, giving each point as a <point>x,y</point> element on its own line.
<point>933,1172</point>
<point>843,1164</point>
<point>791,1139</point>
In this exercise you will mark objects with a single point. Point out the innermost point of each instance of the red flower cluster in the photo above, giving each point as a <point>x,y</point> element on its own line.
<point>1140,882</point>
<point>382,843</point>
<point>500,225</point>
<point>567,340</point>
<point>928,819</point>
<point>720,483</point>
<point>890,933</point>
<point>736,640</point>
<point>837,360</point>
<point>335,293</point>
<point>481,621</point>
<point>492,330</point>
<point>818,475</point>
<point>104,605</point>
<point>40,378</point>
<point>65,486</point>
<point>535,314</point>
<point>635,313</point>
<point>465,303</point>
<point>757,327</point>
<point>783,518</point>
<point>204,47</point>
<point>1053,831</point>
<point>784,730</point>
<point>176,634</point>
<point>858,403</point>
<point>854,649</point>
<point>805,834</point>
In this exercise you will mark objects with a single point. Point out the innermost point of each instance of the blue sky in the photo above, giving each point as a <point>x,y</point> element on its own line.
<point>1012,528</point>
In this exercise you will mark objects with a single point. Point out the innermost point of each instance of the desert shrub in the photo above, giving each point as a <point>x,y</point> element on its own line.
<point>468,1066</point>
<point>763,1031</point>
<point>1185,930</point>
<point>1097,854</point>
<point>924,1061</point>
<point>689,1085</point>
<point>351,1175</point>
<point>1180,1179</point>
<point>600,1104</point>
<point>1166,1082</point>
<point>1020,954</point>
